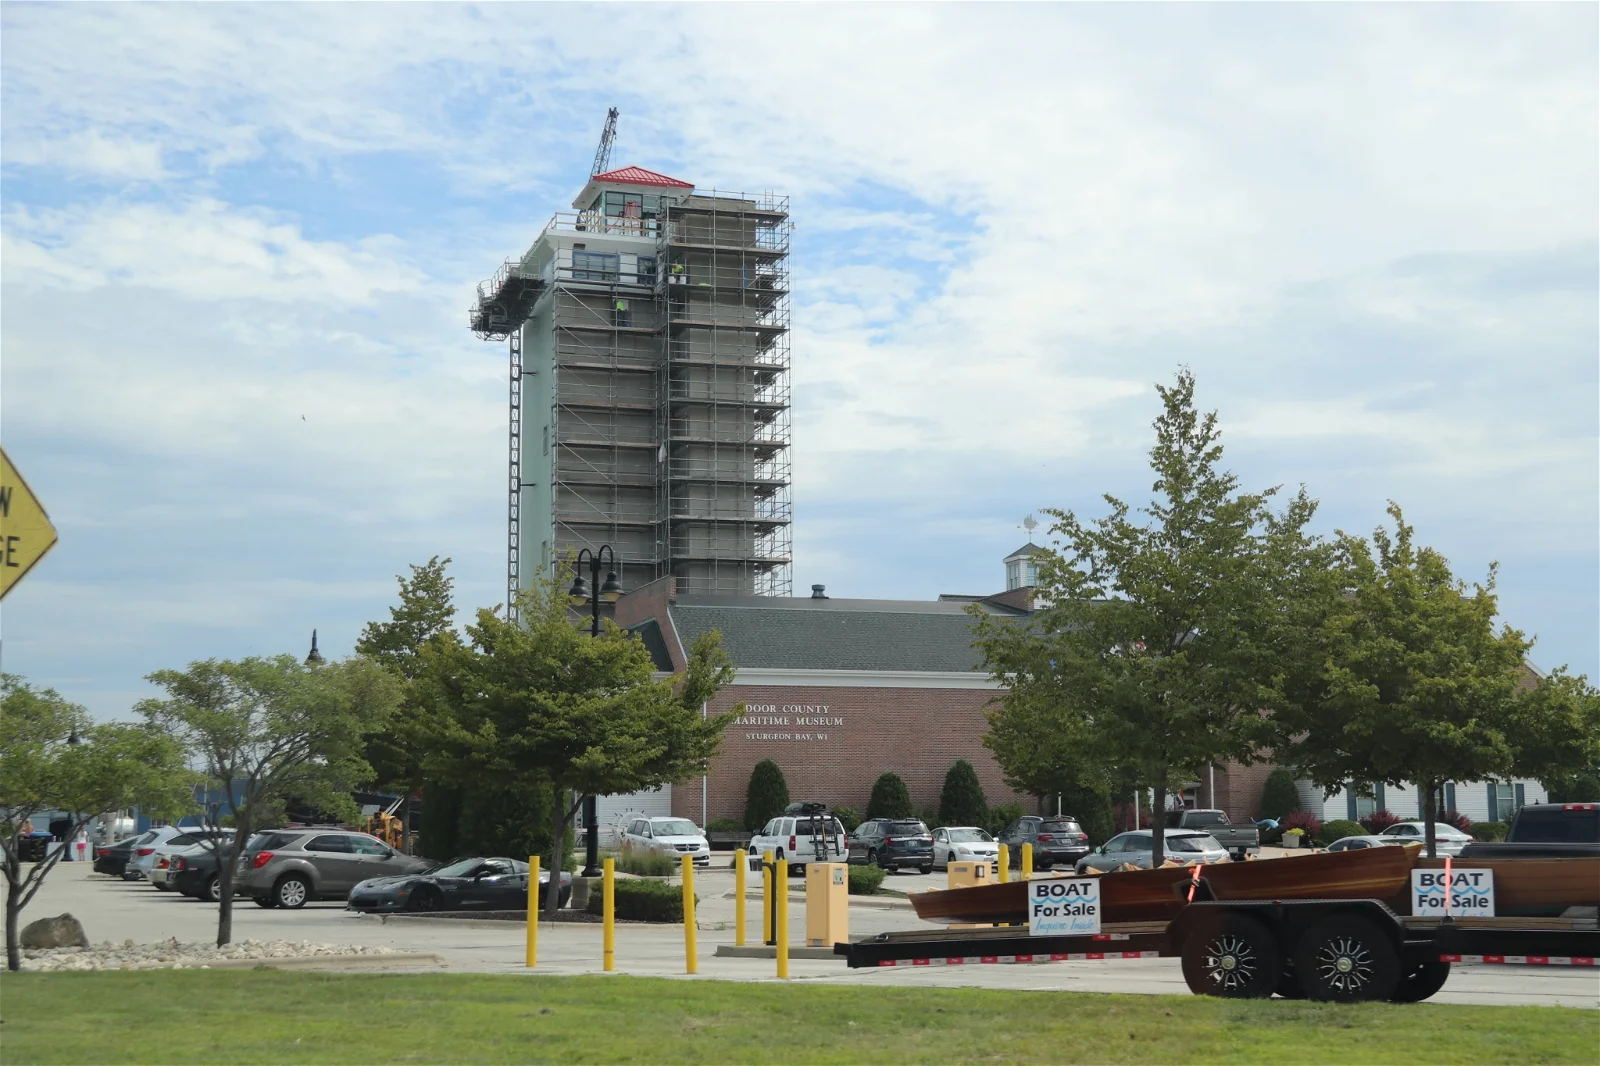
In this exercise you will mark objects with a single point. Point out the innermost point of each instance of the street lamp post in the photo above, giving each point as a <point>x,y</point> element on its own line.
<point>610,591</point>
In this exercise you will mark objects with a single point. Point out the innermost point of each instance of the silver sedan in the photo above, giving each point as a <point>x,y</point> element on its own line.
<point>1182,845</point>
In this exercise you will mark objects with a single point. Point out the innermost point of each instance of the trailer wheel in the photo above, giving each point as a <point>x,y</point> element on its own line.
<point>1425,978</point>
<point>1235,958</point>
<point>1347,959</point>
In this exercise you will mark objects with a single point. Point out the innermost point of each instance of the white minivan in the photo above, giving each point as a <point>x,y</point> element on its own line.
<point>670,838</point>
<point>798,839</point>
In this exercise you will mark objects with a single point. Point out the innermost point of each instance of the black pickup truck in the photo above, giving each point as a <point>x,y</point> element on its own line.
<point>1545,831</point>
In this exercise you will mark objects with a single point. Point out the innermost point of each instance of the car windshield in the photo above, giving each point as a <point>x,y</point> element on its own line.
<point>969,836</point>
<point>1059,825</point>
<point>674,827</point>
<point>459,868</point>
<point>905,829</point>
<point>1193,842</point>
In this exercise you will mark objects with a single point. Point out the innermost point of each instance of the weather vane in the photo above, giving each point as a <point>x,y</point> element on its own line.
<point>1030,524</point>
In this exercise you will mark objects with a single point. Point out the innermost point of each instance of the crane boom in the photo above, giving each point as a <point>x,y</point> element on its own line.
<point>602,154</point>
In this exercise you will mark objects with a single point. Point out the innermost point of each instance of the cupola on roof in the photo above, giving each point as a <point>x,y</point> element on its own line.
<point>640,176</point>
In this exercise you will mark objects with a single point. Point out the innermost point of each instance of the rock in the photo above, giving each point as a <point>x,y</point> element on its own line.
<point>62,931</point>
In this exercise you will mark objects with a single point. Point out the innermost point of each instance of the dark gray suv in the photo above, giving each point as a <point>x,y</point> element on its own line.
<point>289,867</point>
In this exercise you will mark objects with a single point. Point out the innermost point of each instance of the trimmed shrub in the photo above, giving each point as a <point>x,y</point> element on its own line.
<point>1303,820</point>
<point>1271,838</point>
<point>724,825</point>
<point>1488,831</point>
<point>766,796</point>
<point>642,901</point>
<point>1379,820</point>
<point>890,798</point>
<point>848,817</point>
<point>962,801</point>
<point>1279,796</point>
<point>864,880</point>
<point>1457,819</point>
<point>1340,827</point>
<point>1000,817</point>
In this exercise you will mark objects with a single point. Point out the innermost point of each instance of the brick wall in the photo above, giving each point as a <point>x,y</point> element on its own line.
<point>855,734</point>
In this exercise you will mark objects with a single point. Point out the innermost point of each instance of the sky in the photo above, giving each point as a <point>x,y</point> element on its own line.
<point>238,244</point>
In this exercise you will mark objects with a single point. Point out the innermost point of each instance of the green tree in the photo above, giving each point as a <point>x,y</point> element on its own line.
<point>1279,796</point>
<point>961,801</point>
<point>53,758</point>
<point>539,704</point>
<point>890,798</point>
<point>424,617</point>
<point>1417,684</point>
<point>1555,735</point>
<point>264,731</point>
<point>1165,633</point>
<point>765,796</point>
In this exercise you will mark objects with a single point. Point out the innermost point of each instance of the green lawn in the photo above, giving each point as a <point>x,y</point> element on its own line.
<point>268,1017</point>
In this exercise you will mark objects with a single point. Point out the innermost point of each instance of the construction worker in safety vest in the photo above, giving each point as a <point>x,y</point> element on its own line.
<point>622,313</point>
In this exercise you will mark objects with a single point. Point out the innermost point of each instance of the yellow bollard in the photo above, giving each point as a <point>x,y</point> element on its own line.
<point>1005,865</point>
<point>1027,861</point>
<point>741,865</point>
<point>608,951</point>
<point>533,911</point>
<point>783,920</point>
<point>766,897</point>
<point>688,915</point>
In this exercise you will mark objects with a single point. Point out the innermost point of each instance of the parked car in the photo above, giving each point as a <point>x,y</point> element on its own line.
<point>193,872</point>
<point>1357,843</point>
<point>1545,831</point>
<point>113,858</point>
<point>963,843</point>
<point>1138,847</point>
<point>798,839</point>
<point>140,861</point>
<point>893,843</point>
<point>1447,839</point>
<point>1238,839</point>
<point>667,837</point>
<point>1055,840</point>
<point>490,884</point>
<point>289,867</point>
<point>160,868</point>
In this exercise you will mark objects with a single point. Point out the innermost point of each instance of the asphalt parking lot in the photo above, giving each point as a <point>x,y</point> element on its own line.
<point>112,909</point>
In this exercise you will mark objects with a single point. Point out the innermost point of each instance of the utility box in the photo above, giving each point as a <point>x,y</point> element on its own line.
<point>967,874</point>
<point>827,904</point>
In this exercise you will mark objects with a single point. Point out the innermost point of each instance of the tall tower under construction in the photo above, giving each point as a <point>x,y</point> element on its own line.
<point>648,334</point>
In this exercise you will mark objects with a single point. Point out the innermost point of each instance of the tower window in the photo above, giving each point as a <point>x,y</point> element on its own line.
<point>595,266</point>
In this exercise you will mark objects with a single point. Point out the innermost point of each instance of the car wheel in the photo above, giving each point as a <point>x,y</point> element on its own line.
<point>872,858</point>
<point>797,869</point>
<point>213,889</point>
<point>426,899</point>
<point>951,859</point>
<point>928,869</point>
<point>1347,959</point>
<point>566,894</point>
<point>265,902</point>
<point>1426,978</point>
<point>1234,958</point>
<point>161,887</point>
<point>1044,867</point>
<point>291,892</point>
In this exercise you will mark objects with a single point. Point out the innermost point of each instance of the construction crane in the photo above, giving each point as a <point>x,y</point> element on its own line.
<point>602,154</point>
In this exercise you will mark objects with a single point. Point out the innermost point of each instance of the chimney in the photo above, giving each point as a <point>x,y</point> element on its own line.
<point>819,592</point>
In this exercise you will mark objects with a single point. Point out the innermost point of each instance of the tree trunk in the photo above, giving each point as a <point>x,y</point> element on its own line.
<point>13,908</point>
<point>1158,823</point>
<point>227,862</point>
<point>558,820</point>
<point>1428,816</point>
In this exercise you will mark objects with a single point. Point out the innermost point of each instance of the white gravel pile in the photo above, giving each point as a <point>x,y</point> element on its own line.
<point>175,955</point>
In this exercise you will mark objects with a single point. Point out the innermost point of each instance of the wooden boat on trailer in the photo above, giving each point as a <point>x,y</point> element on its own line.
<point>1533,887</point>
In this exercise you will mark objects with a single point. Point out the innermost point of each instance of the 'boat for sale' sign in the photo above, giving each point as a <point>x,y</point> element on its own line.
<point>1463,892</point>
<point>1064,906</point>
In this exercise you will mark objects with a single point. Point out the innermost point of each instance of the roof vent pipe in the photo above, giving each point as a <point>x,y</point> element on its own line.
<point>819,592</point>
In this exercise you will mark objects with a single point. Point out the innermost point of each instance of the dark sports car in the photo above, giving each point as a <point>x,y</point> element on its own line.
<point>488,884</point>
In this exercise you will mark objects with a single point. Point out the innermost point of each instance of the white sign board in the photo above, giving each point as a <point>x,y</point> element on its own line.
<point>1064,906</point>
<point>1471,893</point>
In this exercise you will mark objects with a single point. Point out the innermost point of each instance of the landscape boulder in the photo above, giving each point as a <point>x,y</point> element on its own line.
<point>62,931</point>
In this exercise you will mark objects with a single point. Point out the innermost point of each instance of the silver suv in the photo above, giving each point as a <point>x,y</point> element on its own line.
<point>287,867</point>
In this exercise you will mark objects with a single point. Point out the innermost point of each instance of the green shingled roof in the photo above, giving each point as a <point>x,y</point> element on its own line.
<point>836,635</point>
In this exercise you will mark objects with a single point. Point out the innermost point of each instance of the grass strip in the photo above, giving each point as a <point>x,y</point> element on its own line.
<point>261,1016</point>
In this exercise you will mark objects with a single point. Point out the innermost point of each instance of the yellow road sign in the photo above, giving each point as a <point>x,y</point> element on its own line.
<point>25,530</point>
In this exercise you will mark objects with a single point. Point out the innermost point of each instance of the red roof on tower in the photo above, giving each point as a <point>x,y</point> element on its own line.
<point>641,176</point>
